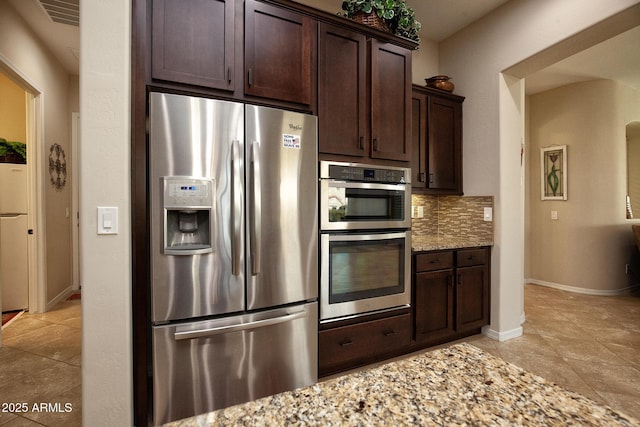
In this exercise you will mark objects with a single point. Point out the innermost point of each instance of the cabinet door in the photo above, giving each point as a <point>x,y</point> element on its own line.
<point>472,298</point>
<point>193,42</point>
<point>278,53</point>
<point>445,145</point>
<point>433,305</point>
<point>342,108</point>
<point>390,102</point>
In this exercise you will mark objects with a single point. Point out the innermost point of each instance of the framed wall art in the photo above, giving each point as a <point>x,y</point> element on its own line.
<point>553,165</point>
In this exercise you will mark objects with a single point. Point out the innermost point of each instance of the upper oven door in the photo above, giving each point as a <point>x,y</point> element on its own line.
<point>346,205</point>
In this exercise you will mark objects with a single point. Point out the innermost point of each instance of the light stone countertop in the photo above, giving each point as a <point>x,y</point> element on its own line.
<point>421,243</point>
<point>458,385</point>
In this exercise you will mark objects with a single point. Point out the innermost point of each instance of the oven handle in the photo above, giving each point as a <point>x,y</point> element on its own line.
<point>366,185</point>
<point>349,237</point>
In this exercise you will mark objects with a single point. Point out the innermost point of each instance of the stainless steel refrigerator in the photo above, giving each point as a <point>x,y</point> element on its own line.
<point>234,264</point>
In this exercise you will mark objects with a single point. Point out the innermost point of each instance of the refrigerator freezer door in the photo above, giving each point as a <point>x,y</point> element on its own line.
<point>13,262</point>
<point>282,215</point>
<point>13,188</point>
<point>203,366</point>
<point>204,139</point>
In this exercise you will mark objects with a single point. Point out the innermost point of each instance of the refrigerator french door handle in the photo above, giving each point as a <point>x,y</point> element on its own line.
<point>236,192</point>
<point>209,332</point>
<point>256,196</point>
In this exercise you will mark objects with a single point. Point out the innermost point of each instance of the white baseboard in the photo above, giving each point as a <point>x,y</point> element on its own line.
<point>60,297</point>
<point>598,292</point>
<point>502,336</point>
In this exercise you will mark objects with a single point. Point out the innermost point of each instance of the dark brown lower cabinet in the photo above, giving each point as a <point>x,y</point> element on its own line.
<point>451,294</point>
<point>346,347</point>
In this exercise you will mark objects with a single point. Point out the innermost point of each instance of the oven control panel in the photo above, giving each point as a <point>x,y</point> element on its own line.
<point>363,173</point>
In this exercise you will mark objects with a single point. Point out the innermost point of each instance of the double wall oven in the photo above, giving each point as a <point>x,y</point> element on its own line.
<point>365,239</point>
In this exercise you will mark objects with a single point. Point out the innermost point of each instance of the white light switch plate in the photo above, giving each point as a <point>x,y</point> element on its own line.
<point>488,214</point>
<point>107,220</point>
<point>554,215</point>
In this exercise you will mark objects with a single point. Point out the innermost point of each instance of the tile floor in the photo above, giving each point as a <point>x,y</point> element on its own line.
<point>40,364</point>
<point>584,343</point>
<point>587,344</point>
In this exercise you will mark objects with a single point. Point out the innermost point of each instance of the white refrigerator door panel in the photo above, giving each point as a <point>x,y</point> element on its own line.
<point>13,262</point>
<point>13,188</point>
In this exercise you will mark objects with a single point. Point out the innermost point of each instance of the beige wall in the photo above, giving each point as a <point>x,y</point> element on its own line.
<point>107,376</point>
<point>494,113</point>
<point>590,243</point>
<point>28,55</point>
<point>13,117</point>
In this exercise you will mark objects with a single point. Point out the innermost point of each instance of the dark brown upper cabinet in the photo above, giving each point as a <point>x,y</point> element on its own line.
<point>279,52</point>
<point>263,50</point>
<point>436,165</point>
<point>193,42</point>
<point>342,91</point>
<point>364,96</point>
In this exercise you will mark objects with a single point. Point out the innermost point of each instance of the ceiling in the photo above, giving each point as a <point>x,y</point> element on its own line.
<point>616,59</point>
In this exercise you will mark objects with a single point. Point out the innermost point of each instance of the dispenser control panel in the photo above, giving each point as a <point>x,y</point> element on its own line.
<point>188,192</point>
<point>189,215</point>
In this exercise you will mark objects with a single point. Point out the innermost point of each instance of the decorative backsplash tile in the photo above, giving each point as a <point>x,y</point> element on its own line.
<point>453,218</point>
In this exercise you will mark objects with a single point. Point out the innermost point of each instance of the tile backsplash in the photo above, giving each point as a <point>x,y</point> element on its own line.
<point>453,217</point>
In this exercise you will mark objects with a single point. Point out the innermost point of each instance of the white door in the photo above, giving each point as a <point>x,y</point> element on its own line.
<point>13,259</point>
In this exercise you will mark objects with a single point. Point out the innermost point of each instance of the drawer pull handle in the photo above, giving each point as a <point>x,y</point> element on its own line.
<point>434,261</point>
<point>346,343</point>
<point>389,333</point>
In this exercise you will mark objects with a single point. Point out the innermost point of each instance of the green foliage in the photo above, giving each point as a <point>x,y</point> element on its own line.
<point>400,18</point>
<point>7,147</point>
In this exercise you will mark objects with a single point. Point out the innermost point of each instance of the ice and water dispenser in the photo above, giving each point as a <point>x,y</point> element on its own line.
<point>188,215</point>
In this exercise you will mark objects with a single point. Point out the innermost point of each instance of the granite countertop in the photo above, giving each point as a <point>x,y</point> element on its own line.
<point>420,243</point>
<point>458,385</point>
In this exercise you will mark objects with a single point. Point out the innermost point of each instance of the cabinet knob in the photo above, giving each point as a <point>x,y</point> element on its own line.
<point>361,143</point>
<point>389,333</point>
<point>346,343</point>
<point>376,144</point>
<point>430,178</point>
<point>422,177</point>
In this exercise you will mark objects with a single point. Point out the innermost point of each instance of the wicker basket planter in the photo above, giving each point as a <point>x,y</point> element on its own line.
<point>371,20</point>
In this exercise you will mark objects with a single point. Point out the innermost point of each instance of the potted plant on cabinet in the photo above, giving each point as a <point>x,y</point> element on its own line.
<point>394,16</point>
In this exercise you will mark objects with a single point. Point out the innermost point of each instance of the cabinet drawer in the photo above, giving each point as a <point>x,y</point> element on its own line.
<point>364,341</point>
<point>434,261</point>
<point>469,257</point>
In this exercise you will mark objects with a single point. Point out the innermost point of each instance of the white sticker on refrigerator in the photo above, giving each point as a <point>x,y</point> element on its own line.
<point>290,141</point>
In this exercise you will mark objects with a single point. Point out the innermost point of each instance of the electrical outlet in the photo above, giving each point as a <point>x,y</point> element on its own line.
<point>413,211</point>
<point>554,215</point>
<point>420,211</point>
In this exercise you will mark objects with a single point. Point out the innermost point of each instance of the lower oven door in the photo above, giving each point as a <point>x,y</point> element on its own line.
<point>362,272</point>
